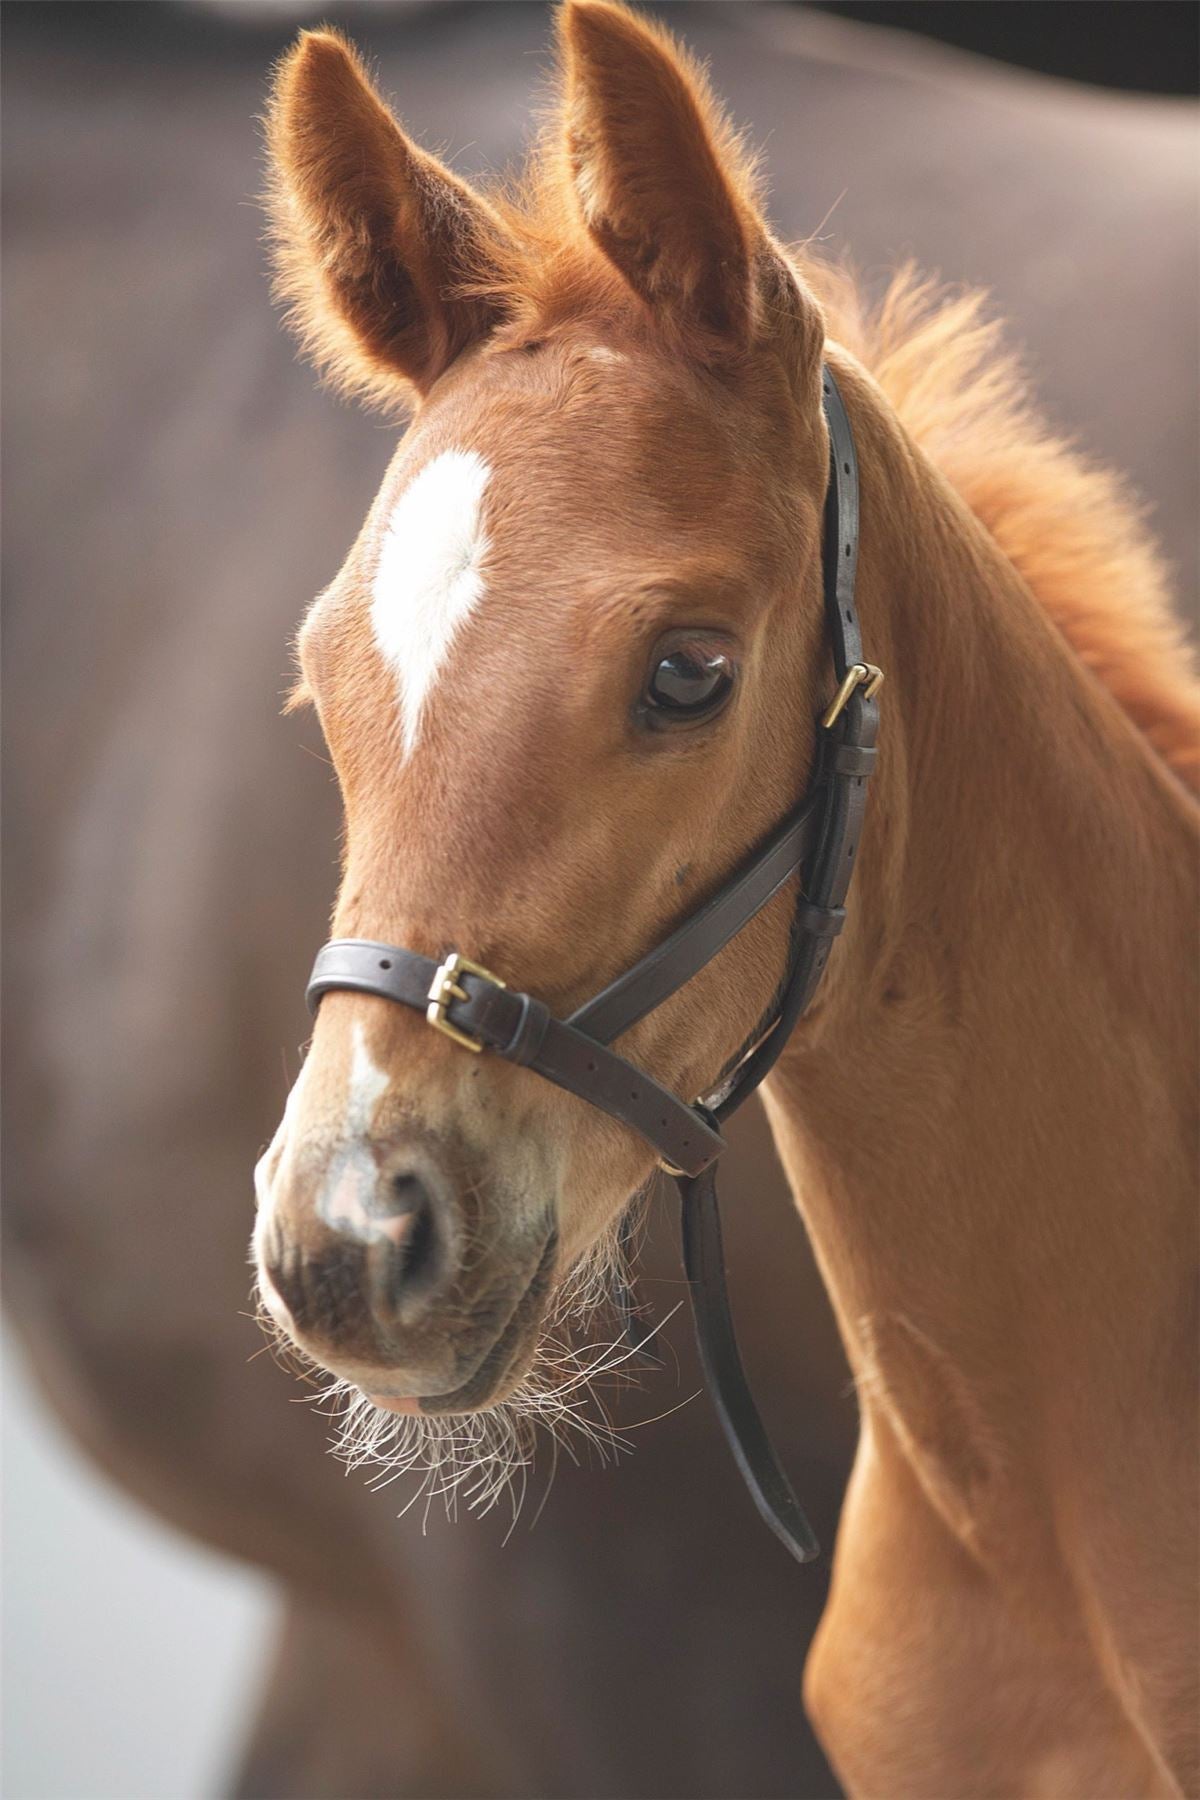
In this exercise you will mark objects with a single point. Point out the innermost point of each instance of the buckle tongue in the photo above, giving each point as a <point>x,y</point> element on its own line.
<point>445,987</point>
<point>864,675</point>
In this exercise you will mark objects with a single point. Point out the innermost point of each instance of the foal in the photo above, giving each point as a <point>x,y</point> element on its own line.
<point>569,676</point>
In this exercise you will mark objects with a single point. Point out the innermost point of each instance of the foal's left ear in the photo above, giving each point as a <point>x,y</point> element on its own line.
<point>664,187</point>
<point>376,243</point>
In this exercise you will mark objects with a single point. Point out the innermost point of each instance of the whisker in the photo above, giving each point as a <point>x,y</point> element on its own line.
<point>478,1460</point>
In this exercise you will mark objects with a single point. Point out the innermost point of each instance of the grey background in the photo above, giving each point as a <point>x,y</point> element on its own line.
<point>131,1656</point>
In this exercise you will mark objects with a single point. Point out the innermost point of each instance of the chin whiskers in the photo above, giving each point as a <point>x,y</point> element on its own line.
<point>281,1348</point>
<point>477,1461</point>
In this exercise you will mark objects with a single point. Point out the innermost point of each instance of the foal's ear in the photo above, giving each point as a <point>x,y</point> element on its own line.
<point>663,184</point>
<point>375,241</point>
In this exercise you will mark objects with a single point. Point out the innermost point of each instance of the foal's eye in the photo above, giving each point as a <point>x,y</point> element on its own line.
<point>691,681</point>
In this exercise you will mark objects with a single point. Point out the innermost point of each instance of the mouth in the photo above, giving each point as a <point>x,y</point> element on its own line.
<point>499,1363</point>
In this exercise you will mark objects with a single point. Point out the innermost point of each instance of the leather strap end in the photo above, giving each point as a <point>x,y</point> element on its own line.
<point>850,759</point>
<point>530,1030</point>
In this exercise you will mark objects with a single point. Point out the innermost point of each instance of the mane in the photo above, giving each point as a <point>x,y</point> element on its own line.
<point>1071,528</point>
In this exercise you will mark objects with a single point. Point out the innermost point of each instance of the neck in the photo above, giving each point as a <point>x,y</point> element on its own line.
<point>985,1115</point>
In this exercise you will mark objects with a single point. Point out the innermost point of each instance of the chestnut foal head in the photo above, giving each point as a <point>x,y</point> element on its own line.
<point>567,674</point>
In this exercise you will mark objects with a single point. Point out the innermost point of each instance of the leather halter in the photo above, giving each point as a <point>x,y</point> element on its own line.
<point>817,841</point>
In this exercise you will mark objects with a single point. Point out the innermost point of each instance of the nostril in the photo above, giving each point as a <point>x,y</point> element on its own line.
<point>405,1217</point>
<point>420,1248</point>
<point>399,1196</point>
<point>407,1193</point>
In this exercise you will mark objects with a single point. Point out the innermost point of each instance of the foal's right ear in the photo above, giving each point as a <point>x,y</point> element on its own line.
<point>666,191</point>
<point>375,242</point>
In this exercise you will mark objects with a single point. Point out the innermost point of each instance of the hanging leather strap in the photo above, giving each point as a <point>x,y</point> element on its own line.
<point>704,1262</point>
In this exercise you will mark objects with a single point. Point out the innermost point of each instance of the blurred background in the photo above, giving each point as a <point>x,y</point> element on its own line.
<point>196,1599</point>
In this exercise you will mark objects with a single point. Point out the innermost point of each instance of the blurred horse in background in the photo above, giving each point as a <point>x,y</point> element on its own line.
<point>171,864</point>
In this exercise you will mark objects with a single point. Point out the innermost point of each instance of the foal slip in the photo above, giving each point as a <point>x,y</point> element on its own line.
<point>817,841</point>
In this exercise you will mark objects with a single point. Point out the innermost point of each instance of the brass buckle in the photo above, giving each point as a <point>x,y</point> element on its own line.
<point>444,988</point>
<point>864,675</point>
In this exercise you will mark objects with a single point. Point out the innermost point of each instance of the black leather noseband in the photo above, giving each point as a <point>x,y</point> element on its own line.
<point>817,842</point>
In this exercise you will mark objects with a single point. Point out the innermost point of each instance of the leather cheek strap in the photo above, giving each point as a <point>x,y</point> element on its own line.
<point>520,1028</point>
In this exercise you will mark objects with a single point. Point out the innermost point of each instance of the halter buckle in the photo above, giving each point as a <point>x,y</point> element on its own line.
<point>864,675</point>
<point>445,987</point>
